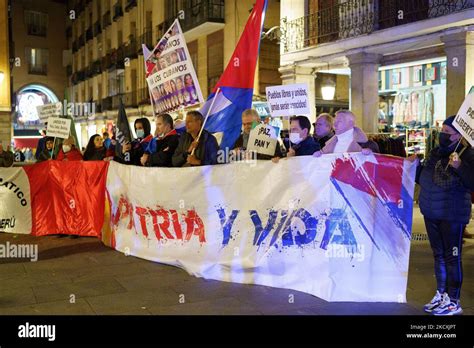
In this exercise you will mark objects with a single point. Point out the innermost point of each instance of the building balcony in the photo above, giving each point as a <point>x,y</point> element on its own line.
<point>69,70</point>
<point>96,67</point>
<point>81,41</point>
<point>354,18</point>
<point>106,21</point>
<point>202,18</point>
<point>106,104</point>
<point>147,39</point>
<point>131,48</point>
<point>89,35</point>
<point>78,76</point>
<point>106,62</point>
<point>130,4</point>
<point>97,28</point>
<point>80,7</point>
<point>128,100</point>
<point>36,30</point>
<point>143,96</point>
<point>118,11</point>
<point>75,46</point>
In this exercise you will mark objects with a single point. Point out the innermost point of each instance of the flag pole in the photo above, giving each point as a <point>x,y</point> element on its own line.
<point>207,116</point>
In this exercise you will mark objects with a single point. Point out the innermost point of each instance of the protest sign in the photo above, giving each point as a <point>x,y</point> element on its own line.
<point>171,77</point>
<point>263,139</point>
<point>288,100</point>
<point>58,127</point>
<point>464,121</point>
<point>49,110</point>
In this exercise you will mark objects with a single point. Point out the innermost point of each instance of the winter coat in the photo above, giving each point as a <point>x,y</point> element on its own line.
<point>359,142</point>
<point>73,155</point>
<point>162,150</point>
<point>446,195</point>
<point>206,150</point>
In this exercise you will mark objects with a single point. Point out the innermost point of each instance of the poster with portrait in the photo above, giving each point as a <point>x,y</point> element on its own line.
<point>170,73</point>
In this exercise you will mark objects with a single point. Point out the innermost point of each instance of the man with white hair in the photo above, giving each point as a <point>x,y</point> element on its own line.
<point>348,138</point>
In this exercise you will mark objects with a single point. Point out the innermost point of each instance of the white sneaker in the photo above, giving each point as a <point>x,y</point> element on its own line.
<point>448,307</point>
<point>434,303</point>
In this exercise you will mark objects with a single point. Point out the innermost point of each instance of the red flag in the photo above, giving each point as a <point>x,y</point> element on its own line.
<point>67,197</point>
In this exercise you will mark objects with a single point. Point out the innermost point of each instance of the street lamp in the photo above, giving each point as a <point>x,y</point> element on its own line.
<point>328,90</point>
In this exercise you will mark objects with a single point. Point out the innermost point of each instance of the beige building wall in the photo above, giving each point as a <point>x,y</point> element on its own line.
<point>5,101</point>
<point>55,42</point>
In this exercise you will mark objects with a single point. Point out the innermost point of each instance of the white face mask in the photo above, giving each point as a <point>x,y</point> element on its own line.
<point>295,138</point>
<point>66,148</point>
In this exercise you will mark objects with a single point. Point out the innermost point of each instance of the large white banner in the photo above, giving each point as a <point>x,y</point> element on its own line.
<point>15,203</point>
<point>335,227</point>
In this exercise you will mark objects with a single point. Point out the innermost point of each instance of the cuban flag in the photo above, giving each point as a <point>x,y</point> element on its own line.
<point>236,83</point>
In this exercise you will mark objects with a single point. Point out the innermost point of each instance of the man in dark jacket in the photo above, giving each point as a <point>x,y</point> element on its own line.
<point>249,118</point>
<point>192,151</point>
<point>6,157</point>
<point>159,152</point>
<point>446,181</point>
<point>41,142</point>
<point>302,143</point>
<point>323,129</point>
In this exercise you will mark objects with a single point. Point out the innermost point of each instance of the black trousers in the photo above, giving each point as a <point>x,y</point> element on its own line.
<point>446,242</point>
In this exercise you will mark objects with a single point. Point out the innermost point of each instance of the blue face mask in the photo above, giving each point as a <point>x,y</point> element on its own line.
<point>140,133</point>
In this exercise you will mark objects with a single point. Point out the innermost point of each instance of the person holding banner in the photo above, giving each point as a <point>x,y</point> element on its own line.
<point>250,118</point>
<point>133,152</point>
<point>41,142</point>
<point>69,152</point>
<point>303,144</point>
<point>348,138</point>
<point>194,151</point>
<point>47,153</point>
<point>95,149</point>
<point>323,129</point>
<point>6,157</point>
<point>160,150</point>
<point>446,181</point>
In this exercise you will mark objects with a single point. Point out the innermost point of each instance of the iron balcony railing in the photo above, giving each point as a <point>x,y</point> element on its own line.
<point>89,35</point>
<point>196,13</point>
<point>352,18</point>
<point>106,21</point>
<point>97,28</point>
<point>118,11</point>
<point>130,4</point>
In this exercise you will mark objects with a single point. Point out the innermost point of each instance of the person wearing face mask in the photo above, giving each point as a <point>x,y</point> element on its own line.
<point>302,143</point>
<point>47,153</point>
<point>133,152</point>
<point>160,151</point>
<point>68,151</point>
<point>446,181</point>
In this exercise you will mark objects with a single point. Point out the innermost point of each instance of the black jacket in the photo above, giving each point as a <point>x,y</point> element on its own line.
<point>44,156</point>
<point>322,141</point>
<point>96,155</point>
<point>165,148</point>
<point>239,144</point>
<point>136,152</point>
<point>307,147</point>
<point>446,195</point>
<point>206,150</point>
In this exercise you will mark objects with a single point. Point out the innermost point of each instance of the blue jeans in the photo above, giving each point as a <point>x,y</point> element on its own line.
<point>446,242</point>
